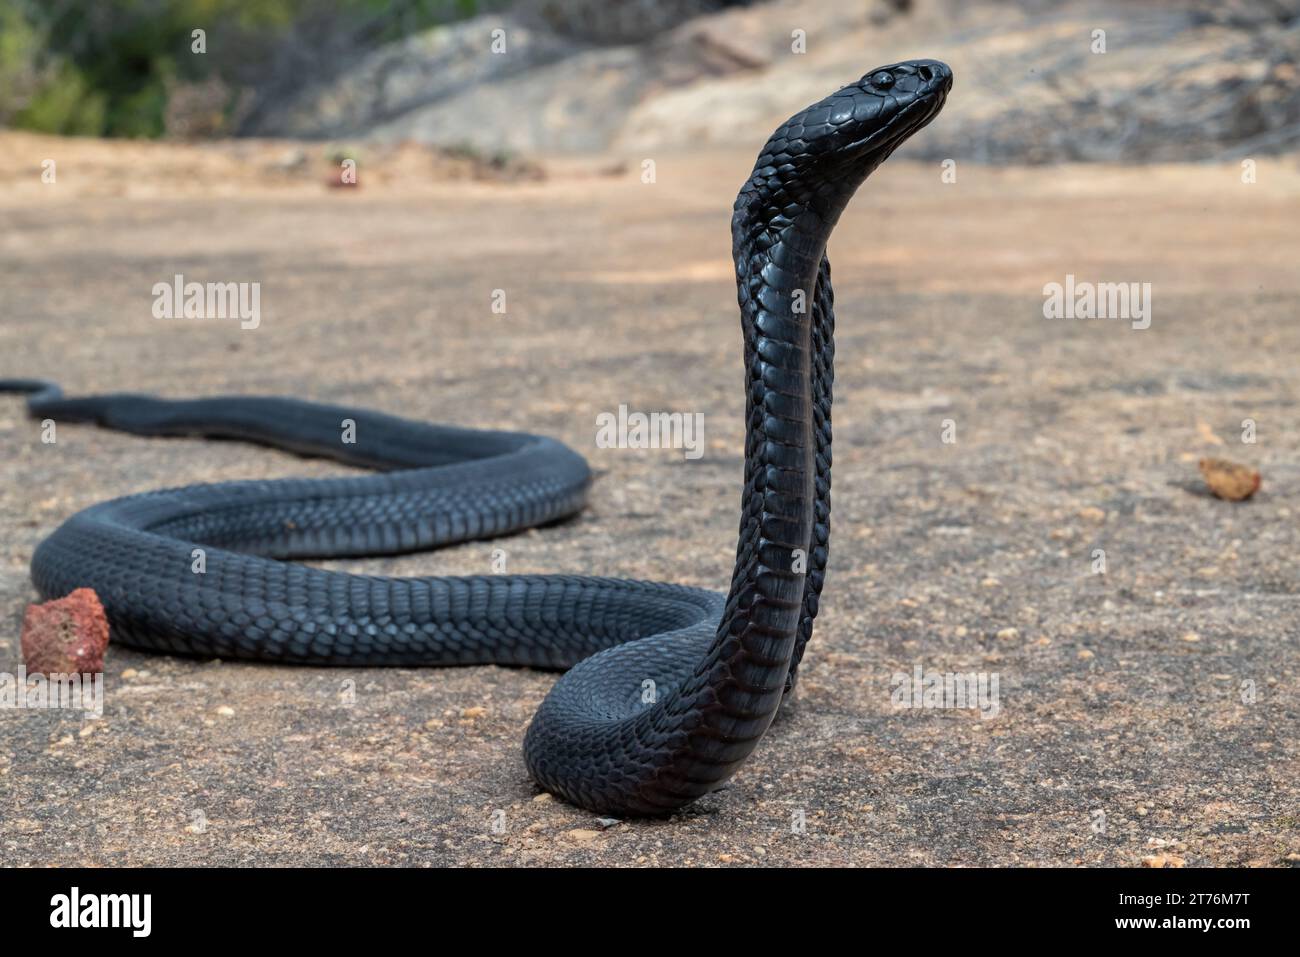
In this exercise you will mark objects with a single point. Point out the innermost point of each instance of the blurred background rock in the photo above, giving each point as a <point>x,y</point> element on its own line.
<point>1179,79</point>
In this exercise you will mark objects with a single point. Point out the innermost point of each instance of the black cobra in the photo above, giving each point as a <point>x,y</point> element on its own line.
<point>669,688</point>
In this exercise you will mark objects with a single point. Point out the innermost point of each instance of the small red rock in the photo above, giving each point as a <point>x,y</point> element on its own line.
<point>66,636</point>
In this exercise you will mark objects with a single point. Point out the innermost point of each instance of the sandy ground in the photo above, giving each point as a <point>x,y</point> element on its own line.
<point>1148,712</point>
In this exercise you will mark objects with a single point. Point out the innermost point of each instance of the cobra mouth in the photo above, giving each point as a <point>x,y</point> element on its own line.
<point>888,137</point>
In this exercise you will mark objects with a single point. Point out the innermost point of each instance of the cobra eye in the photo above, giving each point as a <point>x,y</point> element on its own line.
<point>883,79</point>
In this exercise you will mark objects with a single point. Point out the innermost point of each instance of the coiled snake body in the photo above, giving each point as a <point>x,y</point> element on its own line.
<point>718,666</point>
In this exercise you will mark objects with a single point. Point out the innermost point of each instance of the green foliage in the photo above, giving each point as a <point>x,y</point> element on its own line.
<point>19,45</point>
<point>108,67</point>
<point>65,104</point>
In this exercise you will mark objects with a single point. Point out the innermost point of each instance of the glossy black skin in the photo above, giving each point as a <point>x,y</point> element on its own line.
<point>669,688</point>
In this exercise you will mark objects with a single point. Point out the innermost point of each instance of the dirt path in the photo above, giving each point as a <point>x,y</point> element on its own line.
<point>1124,729</point>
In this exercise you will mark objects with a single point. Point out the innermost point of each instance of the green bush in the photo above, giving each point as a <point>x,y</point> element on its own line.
<point>106,67</point>
<point>66,105</point>
<point>19,74</point>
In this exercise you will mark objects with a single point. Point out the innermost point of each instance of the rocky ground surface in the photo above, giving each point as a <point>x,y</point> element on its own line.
<point>1041,81</point>
<point>53,166</point>
<point>1147,714</point>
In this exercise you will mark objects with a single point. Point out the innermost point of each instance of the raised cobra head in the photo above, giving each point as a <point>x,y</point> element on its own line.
<point>821,155</point>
